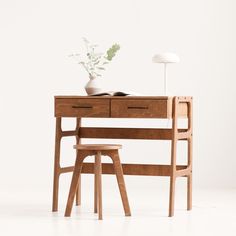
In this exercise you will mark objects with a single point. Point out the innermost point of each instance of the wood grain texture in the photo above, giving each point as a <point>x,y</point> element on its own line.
<point>95,186</point>
<point>97,147</point>
<point>120,180</point>
<point>173,158</point>
<point>97,170</point>
<point>139,108</point>
<point>56,165</point>
<point>74,183</point>
<point>78,141</point>
<point>190,155</point>
<point>128,169</point>
<point>88,106</point>
<point>98,176</point>
<point>117,107</point>
<point>176,135</point>
<point>82,108</point>
<point>113,97</point>
<point>128,133</point>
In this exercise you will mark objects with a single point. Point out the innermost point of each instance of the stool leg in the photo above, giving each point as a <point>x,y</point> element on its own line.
<point>95,188</point>
<point>121,182</point>
<point>78,193</point>
<point>78,141</point>
<point>74,183</point>
<point>172,196</point>
<point>98,176</point>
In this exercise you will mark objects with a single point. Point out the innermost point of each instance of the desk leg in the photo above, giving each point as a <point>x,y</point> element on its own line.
<point>189,177</point>
<point>175,138</point>
<point>173,157</point>
<point>78,141</point>
<point>56,164</point>
<point>172,177</point>
<point>190,154</point>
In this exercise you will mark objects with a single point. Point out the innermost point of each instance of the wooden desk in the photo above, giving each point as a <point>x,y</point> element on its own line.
<point>128,107</point>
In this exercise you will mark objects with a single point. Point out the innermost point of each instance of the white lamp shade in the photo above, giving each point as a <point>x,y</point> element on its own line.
<point>165,58</point>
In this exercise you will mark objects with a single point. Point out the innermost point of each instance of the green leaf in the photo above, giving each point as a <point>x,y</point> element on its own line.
<point>111,52</point>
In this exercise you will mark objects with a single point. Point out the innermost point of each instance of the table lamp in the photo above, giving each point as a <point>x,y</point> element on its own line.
<point>165,58</point>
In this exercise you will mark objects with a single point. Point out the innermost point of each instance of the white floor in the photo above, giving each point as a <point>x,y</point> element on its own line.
<point>28,213</point>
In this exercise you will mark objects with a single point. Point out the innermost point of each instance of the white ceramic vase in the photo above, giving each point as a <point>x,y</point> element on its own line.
<point>93,86</point>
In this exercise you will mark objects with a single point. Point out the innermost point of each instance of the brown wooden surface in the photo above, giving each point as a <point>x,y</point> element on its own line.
<point>82,108</point>
<point>74,183</point>
<point>58,137</point>
<point>98,176</point>
<point>127,133</point>
<point>120,180</point>
<point>173,158</point>
<point>138,108</point>
<point>128,169</point>
<point>113,97</point>
<point>97,170</point>
<point>97,147</point>
<point>117,106</point>
<point>95,186</point>
<point>190,155</point>
<point>176,107</point>
<point>78,141</point>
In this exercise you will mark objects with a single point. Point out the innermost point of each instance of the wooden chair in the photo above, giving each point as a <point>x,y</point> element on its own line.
<point>97,150</point>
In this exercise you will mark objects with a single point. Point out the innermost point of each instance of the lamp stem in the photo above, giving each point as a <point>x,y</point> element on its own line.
<point>165,79</point>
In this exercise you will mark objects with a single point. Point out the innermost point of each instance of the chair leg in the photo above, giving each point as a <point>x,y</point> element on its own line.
<point>95,189</point>
<point>74,184</point>
<point>98,173</point>
<point>121,183</point>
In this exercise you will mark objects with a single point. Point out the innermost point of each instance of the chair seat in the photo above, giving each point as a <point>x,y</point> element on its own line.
<point>97,147</point>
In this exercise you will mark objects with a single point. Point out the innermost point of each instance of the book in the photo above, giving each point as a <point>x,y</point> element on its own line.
<point>111,93</point>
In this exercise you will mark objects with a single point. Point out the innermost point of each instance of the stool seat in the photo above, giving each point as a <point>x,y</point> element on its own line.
<point>97,147</point>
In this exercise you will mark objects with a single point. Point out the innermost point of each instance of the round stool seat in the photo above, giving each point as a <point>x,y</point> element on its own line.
<point>97,147</point>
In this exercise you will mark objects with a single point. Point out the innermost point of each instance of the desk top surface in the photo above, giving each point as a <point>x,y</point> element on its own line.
<point>114,97</point>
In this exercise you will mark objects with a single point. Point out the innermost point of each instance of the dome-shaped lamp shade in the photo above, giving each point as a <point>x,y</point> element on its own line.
<point>165,58</point>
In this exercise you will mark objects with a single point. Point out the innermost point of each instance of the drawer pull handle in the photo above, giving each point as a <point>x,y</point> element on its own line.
<point>88,107</point>
<point>136,107</point>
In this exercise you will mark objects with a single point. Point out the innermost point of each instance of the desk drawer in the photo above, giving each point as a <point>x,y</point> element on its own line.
<point>82,107</point>
<point>130,108</point>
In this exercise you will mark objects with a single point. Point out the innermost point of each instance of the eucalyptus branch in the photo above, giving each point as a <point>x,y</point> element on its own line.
<point>95,61</point>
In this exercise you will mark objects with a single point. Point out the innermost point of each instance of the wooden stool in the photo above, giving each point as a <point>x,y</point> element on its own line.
<point>97,150</point>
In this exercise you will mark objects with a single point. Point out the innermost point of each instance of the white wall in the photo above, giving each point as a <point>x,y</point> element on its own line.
<point>37,36</point>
